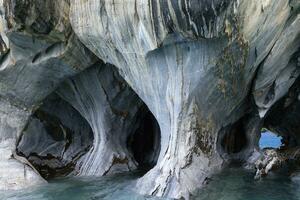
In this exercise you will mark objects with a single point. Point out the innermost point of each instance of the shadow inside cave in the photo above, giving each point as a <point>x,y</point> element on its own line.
<point>144,142</point>
<point>57,136</point>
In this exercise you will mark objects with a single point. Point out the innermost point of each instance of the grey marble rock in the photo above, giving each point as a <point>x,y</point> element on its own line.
<point>212,73</point>
<point>55,137</point>
<point>110,107</point>
<point>275,159</point>
<point>280,68</point>
<point>38,51</point>
<point>283,117</point>
<point>194,68</point>
<point>14,173</point>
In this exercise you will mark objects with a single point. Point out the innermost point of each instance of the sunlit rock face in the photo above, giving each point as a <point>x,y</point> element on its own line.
<point>193,63</point>
<point>38,51</point>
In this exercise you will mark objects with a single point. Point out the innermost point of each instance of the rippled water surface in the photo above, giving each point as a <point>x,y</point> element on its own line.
<point>231,184</point>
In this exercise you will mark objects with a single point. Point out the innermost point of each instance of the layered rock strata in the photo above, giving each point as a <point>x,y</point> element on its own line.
<point>193,64</point>
<point>212,72</point>
<point>55,137</point>
<point>38,51</point>
<point>110,107</point>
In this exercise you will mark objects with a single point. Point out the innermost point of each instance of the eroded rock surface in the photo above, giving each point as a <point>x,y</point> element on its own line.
<point>55,137</point>
<point>193,64</point>
<point>14,173</point>
<point>276,159</point>
<point>212,72</point>
<point>110,107</point>
<point>38,51</point>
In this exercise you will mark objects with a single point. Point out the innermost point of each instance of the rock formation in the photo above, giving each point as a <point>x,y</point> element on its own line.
<point>273,160</point>
<point>194,63</point>
<point>110,107</point>
<point>212,73</point>
<point>55,137</point>
<point>38,51</point>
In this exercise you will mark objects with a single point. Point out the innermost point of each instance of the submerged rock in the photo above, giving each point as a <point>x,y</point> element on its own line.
<point>276,159</point>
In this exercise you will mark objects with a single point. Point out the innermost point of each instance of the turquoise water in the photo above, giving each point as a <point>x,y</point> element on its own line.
<point>269,139</point>
<point>231,184</point>
<point>238,184</point>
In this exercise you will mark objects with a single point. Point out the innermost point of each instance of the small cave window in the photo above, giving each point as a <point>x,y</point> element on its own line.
<point>144,143</point>
<point>269,139</point>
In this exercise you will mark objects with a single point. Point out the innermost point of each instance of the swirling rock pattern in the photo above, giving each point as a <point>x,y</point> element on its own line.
<point>99,94</point>
<point>210,71</point>
<point>38,52</point>
<point>192,62</point>
<point>55,138</point>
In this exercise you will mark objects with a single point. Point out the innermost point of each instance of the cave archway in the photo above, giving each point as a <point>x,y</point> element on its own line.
<point>233,138</point>
<point>144,142</point>
<point>55,137</point>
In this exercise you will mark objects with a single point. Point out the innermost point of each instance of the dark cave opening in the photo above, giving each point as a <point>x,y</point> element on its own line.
<point>55,137</point>
<point>144,143</point>
<point>233,138</point>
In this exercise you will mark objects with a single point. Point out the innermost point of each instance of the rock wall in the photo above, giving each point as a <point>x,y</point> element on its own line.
<point>55,137</point>
<point>283,116</point>
<point>193,63</point>
<point>110,107</point>
<point>212,72</point>
<point>38,51</point>
<point>14,174</point>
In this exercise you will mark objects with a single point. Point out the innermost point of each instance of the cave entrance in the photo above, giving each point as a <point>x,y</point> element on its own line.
<point>269,139</point>
<point>234,138</point>
<point>144,143</point>
<point>55,137</point>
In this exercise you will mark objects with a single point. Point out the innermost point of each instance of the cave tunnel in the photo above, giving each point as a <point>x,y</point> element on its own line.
<point>144,142</point>
<point>55,137</point>
<point>233,138</point>
<point>58,136</point>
